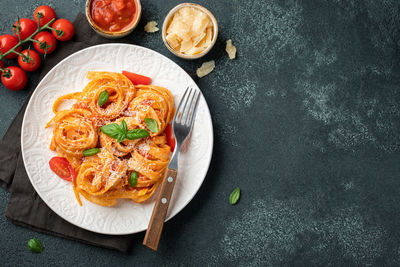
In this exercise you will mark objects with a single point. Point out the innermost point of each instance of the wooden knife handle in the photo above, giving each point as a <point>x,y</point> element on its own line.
<point>154,230</point>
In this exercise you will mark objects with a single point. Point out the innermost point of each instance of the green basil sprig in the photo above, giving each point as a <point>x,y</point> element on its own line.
<point>90,152</point>
<point>136,134</point>
<point>234,196</point>
<point>123,133</point>
<point>112,130</point>
<point>124,126</point>
<point>103,98</point>
<point>120,132</point>
<point>133,179</point>
<point>35,246</point>
<point>151,124</point>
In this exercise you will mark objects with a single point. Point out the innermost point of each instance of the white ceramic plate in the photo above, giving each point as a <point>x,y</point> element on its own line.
<point>69,76</point>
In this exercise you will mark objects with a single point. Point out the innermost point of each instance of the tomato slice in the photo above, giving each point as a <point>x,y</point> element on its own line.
<point>62,168</point>
<point>170,137</point>
<point>137,78</point>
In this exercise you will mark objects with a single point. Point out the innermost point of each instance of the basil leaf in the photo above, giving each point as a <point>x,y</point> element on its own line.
<point>151,124</point>
<point>234,196</point>
<point>90,152</point>
<point>133,179</point>
<point>121,137</point>
<point>112,130</point>
<point>123,126</point>
<point>103,98</point>
<point>136,134</point>
<point>35,246</point>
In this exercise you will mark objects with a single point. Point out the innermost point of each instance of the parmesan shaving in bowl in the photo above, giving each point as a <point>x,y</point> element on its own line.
<point>190,31</point>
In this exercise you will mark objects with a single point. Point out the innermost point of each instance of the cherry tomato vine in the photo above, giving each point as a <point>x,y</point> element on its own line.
<point>43,41</point>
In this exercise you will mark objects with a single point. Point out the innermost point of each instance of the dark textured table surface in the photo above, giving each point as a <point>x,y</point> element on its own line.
<point>307,124</point>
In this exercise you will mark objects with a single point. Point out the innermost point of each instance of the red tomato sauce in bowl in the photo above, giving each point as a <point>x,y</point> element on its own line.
<point>113,15</point>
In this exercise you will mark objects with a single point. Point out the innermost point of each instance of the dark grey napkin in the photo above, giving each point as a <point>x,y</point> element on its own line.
<point>25,207</point>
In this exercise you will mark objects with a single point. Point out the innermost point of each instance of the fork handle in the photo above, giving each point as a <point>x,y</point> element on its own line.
<point>154,230</point>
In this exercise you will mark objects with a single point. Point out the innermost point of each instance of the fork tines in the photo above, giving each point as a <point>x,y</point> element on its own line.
<point>186,111</point>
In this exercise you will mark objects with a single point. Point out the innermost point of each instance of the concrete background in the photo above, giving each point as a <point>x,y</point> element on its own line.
<point>306,124</point>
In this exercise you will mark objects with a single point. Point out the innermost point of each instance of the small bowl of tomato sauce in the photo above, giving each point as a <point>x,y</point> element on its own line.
<point>113,18</point>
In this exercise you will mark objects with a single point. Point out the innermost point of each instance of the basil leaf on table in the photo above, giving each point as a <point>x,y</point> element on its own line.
<point>103,98</point>
<point>234,196</point>
<point>133,179</point>
<point>35,246</point>
<point>136,134</point>
<point>151,124</point>
<point>112,130</point>
<point>90,152</point>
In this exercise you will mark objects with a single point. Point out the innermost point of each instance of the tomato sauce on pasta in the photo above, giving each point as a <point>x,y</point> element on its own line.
<point>103,178</point>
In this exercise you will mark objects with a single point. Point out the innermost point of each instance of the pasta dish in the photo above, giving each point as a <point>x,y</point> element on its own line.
<point>115,141</point>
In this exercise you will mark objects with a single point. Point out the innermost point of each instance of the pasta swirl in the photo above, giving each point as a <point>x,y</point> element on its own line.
<point>72,134</point>
<point>150,160</point>
<point>152,102</point>
<point>120,89</point>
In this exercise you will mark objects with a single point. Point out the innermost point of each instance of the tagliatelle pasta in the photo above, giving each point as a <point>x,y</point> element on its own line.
<point>104,177</point>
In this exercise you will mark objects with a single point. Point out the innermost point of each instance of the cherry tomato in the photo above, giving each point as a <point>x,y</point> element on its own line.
<point>170,137</point>
<point>8,41</point>
<point>26,28</point>
<point>16,81</point>
<point>31,65</point>
<point>137,78</point>
<point>66,26</point>
<point>47,40</point>
<point>1,64</point>
<point>47,12</point>
<point>62,168</point>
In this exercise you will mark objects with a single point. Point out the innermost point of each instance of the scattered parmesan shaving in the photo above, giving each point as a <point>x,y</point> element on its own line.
<point>144,148</point>
<point>230,49</point>
<point>151,27</point>
<point>190,31</point>
<point>206,68</point>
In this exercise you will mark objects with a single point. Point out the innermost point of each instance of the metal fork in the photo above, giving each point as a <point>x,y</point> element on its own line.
<point>182,125</point>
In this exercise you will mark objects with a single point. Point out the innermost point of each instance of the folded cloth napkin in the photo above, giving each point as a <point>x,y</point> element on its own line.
<point>25,207</point>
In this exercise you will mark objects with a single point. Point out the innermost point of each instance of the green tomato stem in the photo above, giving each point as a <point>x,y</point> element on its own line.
<point>19,54</point>
<point>36,41</point>
<point>51,28</point>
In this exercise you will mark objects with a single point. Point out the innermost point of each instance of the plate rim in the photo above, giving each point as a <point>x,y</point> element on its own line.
<point>173,214</point>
